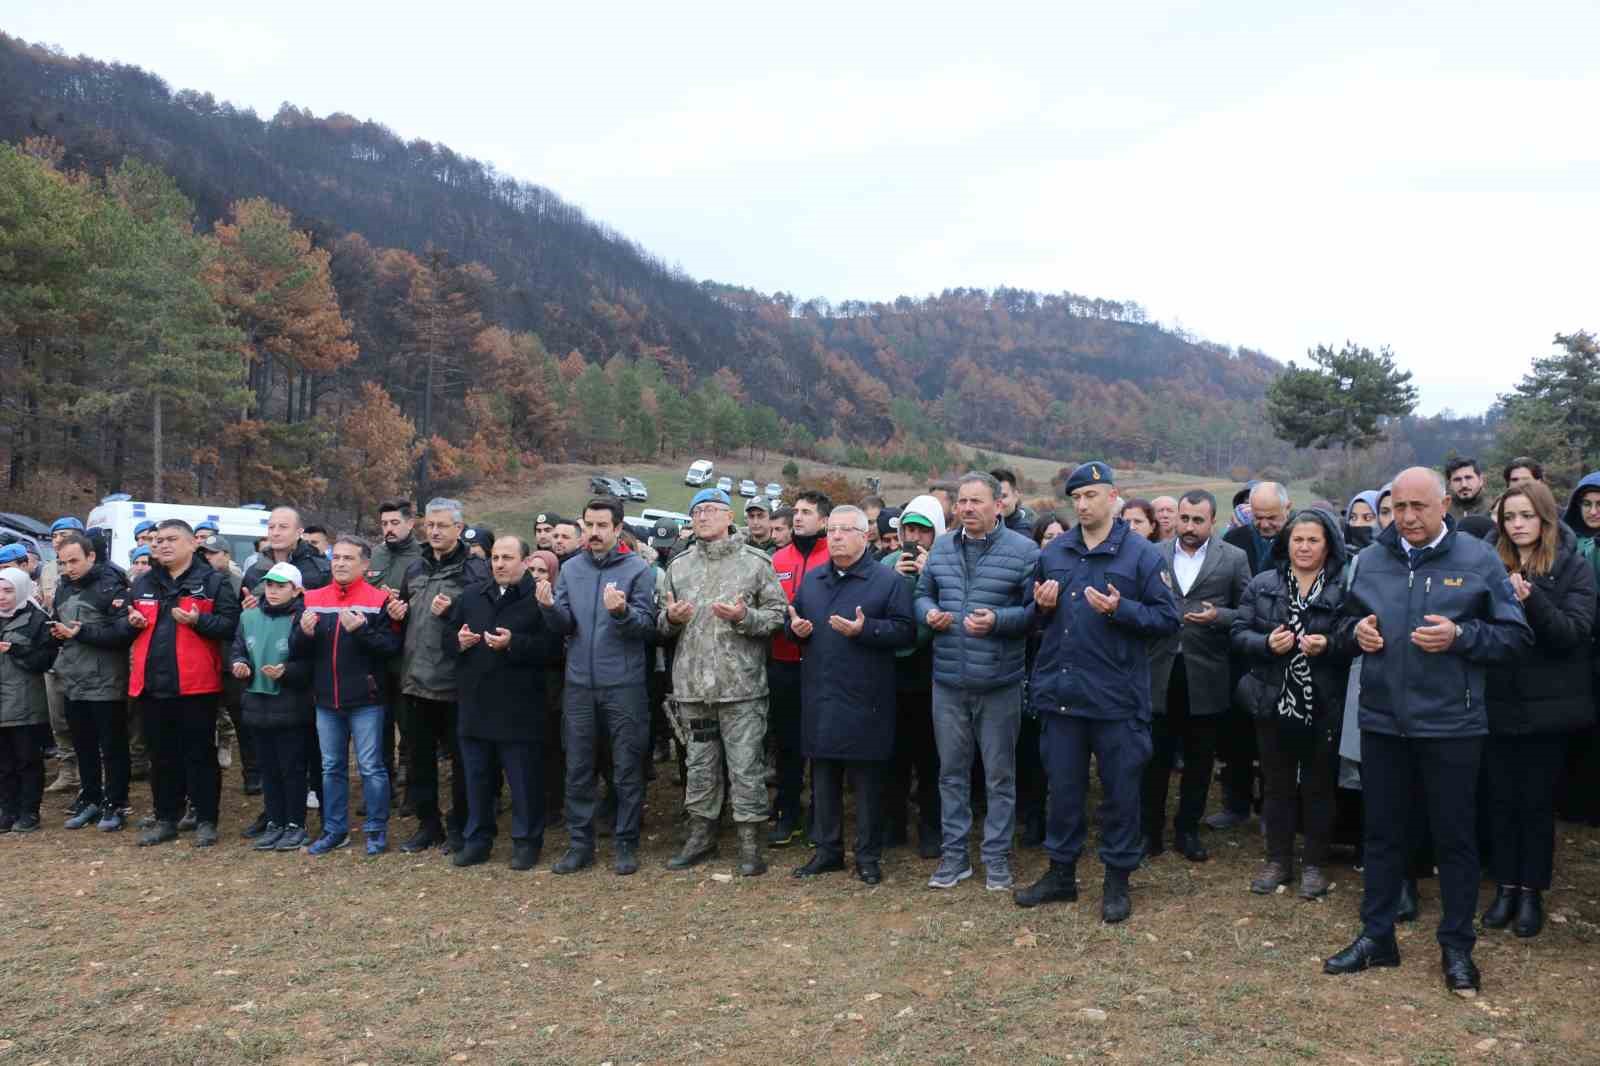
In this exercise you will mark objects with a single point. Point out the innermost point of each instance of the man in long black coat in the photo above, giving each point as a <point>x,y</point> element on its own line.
<point>496,631</point>
<point>849,618</point>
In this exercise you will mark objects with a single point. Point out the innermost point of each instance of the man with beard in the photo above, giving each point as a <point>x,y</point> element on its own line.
<point>1465,478</point>
<point>391,559</point>
<point>566,539</point>
<point>543,525</point>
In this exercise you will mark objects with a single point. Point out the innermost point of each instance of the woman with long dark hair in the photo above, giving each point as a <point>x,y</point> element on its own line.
<point>1537,702</point>
<point>1141,518</point>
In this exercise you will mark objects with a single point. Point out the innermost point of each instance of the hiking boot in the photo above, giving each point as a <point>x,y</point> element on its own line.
<point>751,864</point>
<point>430,834</point>
<point>293,839</point>
<point>205,835</point>
<point>329,842</point>
<point>785,831</point>
<point>1313,883</point>
<point>1273,874</point>
<point>189,820</point>
<point>1115,906</point>
<point>574,860</point>
<point>27,823</point>
<point>1058,885</point>
<point>953,869</point>
<point>627,860</point>
<point>112,822</point>
<point>257,827</point>
<point>267,839</point>
<point>997,876</point>
<point>159,833</point>
<point>701,845</point>
<point>88,813</point>
<point>524,855</point>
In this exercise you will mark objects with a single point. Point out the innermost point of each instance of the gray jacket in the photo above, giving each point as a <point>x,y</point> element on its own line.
<point>1224,573</point>
<point>1002,581</point>
<point>428,671</point>
<point>605,650</point>
<point>22,668</point>
<point>93,666</point>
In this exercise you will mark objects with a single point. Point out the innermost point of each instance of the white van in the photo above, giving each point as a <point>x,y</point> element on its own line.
<point>699,472</point>
<point>655,516</point>
<point>241,527</point>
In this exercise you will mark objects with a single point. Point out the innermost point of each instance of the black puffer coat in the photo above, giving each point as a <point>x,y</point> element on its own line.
<point>1549,689</point>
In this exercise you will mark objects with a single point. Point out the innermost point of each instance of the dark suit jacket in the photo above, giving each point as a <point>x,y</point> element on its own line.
<point>1221,581</point>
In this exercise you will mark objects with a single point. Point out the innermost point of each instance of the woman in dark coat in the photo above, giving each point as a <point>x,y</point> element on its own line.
<point>1295,688</point>
<point>1536,704</point>
<point>849,617</point>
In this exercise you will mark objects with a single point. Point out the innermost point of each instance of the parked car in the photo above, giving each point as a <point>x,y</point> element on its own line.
<point>725,484</point>
<point>747,488</point>
<point>699,472</point>
<point>20,529</point>
<point>636,489</point>
<point>601,485</point>
<point>773,490</point>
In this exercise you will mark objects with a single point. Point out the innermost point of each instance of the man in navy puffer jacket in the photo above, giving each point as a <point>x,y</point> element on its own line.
<point>976,593</point>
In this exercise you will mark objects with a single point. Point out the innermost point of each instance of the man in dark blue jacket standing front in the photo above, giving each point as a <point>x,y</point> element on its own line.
<point>1101,594</point>
<point>1428,611</point>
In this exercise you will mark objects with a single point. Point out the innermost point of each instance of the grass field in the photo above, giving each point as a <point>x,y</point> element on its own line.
<point>564,488</point>
<point>171,955</point>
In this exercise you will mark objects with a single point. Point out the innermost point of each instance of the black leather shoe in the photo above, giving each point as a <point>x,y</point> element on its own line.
<point>869,872</point>
<point>1115,903</point>
<point>819,864</point>
<point>1410,901</point>
<point>1364,951</point>
<point>1188,845</point>
<point>1530,913</point>
<point>453,842</point>
<point>470,855</point>
<point>1460,973</point>
<point>1058,885</point>
<point>524,855</point>
<point>428,835</point>
<point>1503,909</point>
<point>574,860</point>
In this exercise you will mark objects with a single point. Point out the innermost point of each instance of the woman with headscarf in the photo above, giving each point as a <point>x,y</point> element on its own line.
<point>1361,520</point>
<point>1536,703</point>
<point>26,652</point>
<point>1295,688</point>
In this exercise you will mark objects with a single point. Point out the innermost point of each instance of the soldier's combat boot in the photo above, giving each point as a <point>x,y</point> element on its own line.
<point>701,845</point>
<point>751,864</point>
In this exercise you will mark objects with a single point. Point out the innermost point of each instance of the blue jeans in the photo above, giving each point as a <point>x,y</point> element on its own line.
<point>335,730</point>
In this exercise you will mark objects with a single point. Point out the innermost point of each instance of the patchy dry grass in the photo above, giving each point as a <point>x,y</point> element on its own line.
<point>171,955</point>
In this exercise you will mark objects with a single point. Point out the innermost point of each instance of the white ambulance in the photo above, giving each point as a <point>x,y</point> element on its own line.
<point>241,527</point>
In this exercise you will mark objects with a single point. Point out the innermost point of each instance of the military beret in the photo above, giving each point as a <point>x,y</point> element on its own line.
<point>709,496</point>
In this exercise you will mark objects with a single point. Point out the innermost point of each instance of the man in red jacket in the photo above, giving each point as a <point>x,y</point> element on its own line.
<point>180,614</point>
<point>806,551</point>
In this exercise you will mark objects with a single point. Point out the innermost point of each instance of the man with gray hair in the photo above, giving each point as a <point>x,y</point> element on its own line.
<point>428,672</point>
<point>976,594</point>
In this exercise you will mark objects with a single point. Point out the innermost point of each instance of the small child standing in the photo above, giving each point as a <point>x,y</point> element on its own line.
<point>277,706</point>
<point>26,652</point>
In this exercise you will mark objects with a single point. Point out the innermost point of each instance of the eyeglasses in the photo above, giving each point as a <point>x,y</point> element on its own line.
<point>845,529</point>
<point>707,509</point>
<point>1591,504</point>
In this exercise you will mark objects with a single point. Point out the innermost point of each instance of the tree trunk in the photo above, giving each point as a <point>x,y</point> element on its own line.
<point>288,400</point>
<point>427,428</point>
<point>155,447</point>
<point>119,458</point>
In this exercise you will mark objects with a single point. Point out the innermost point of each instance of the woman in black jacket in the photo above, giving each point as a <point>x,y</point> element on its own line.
<point>1295,687</point>
<point>1536,703</point>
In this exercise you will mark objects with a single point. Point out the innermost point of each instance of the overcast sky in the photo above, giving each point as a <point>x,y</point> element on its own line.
<point>1422,175</point>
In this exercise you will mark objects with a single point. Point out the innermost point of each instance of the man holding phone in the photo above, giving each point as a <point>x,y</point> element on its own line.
<point>1189,679</point>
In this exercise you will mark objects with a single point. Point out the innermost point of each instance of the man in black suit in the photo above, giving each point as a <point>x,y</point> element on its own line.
<point>1190,682</point>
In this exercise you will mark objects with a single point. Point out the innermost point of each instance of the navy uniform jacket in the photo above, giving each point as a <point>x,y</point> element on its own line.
<point>1092,665</point>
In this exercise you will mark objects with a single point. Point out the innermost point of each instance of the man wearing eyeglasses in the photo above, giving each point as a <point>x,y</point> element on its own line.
<point>721,601</point>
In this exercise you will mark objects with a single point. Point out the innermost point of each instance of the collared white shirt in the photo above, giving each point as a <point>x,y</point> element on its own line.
<point>1186,567</point>
<point>1412,549</point>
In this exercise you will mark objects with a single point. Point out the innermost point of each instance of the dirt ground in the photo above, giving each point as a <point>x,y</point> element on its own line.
<point>114,953</point>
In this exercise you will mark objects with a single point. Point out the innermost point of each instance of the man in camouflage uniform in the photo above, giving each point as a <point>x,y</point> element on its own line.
<point>721,600</point>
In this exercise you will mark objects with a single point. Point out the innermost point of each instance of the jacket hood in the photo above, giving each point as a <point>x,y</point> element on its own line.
<point>1573,516</point>
<point>928,507</point>
<point>19,580</point>
<point>1369,497</point>
<point>1337,553</point>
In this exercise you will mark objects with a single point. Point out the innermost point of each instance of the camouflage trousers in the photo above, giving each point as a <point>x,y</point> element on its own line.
<point>742,742</point>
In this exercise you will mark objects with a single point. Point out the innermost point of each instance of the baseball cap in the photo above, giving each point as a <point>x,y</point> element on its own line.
<point>664,535</point>
<point>283,573</point>
<point>709,496</point>
<point>478,535</point>
<point>215,543</point>
<point>66,523</point>
<point>759,503</point>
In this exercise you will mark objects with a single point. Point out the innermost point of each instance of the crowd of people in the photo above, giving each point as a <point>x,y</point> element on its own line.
<point>1410,674</point>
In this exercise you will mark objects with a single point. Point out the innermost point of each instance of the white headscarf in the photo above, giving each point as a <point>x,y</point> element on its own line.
<point>19,580</point>
<point>929,507</point>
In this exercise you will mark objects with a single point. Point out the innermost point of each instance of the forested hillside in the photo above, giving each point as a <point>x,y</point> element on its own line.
<point>472,324</point>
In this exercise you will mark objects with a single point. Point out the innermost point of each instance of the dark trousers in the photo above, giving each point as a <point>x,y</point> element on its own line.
<point>100,737</point>
<point>1031,784</point>
<point>1121,748</point>
<point>181,734</point>
<point>523,764</point>
<point>432,726</point>
<point>555,755</point>
<point>1298,773</point>
<point>1170,733</point>
<point>249,757</point>
<point>1448,772</point>
<point>1578,793</point>
<point>915,754</point>
<point>622,715</point>
<point>281,758</point>
<point>1522,773</point>
<point>21,769</point>
<point>783,720</point>
<point>1236,747</point>
<point>828,777</point>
